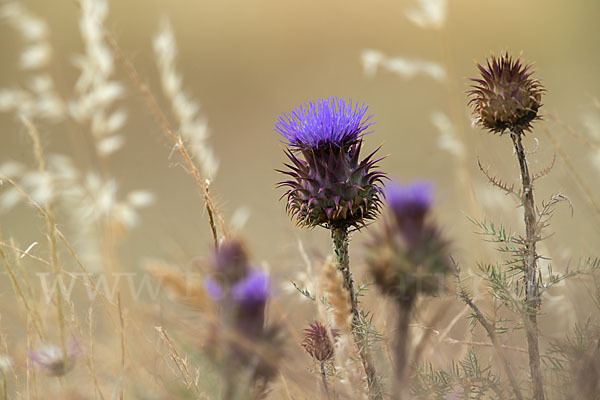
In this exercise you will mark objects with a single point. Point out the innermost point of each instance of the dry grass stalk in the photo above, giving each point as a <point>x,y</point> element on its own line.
<point>18,291</point>
<point>179,361</point>
<point>572,170</point>
<point>331,283</point>
<point>174,138</point>
<point>51,234</point>
<point>35,314</point>
<point>31,381</point>
<point>122,339</point>
<point>438,315</point>
<point>497,346</point>
<point>90,355</point>
<point>187,292</point>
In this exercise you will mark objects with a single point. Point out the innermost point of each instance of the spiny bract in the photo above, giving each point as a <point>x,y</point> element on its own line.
<point>507,97</point>
<point>330,185</point>
<point>317,342</point>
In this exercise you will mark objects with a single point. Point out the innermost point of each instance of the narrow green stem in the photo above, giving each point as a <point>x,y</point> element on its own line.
<point>532,298</point>
<point>342,258</point>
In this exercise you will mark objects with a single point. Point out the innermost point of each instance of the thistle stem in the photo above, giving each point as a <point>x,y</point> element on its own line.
<point>324,377</point>
<point>404,308</point>
<point>340,249</point>
<point>532,300</point>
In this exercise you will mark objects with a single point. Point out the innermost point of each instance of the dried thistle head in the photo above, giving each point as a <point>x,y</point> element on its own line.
<point>330,185</point>
<point>506,96</point>
<point>317,341</point>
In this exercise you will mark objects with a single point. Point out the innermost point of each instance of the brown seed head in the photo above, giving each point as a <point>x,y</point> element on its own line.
<point>506,97</point>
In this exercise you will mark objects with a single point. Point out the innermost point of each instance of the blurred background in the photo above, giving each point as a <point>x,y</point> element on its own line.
<point>247,62</point>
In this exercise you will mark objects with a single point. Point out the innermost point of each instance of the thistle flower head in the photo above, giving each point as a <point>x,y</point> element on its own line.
<point>253,289</point>
<point>54,361</point>
<point>250,297</point>
<point>230,260</point>
<point>409,205</point>
<point>506,96</point>
<point>240,289</point>
<point>234,276</point>
<point>330,185</point>
<point>324,123</point>
<point>408,256</point>
<point>228,265</point>
<point>317,341</point>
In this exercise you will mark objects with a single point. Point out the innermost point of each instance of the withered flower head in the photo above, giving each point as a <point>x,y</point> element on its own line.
<point>507,97</point>
<point>317,342</point>
<point>330,185</point>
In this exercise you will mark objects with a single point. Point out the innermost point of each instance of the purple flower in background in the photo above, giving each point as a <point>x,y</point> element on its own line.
<point>212,287</point>
<point>250,296</point>
<point>255,288</point>
<point>409,255</point>
<point>240,290</point>
<point>410,204</point>
<point>324,122</point>
<point>52,359</point>
<point>233,277</point>
<point>230,261</point>
<point>330,185</point>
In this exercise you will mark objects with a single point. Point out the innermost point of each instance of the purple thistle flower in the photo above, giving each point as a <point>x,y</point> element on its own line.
<point>409,255</point>
<point>330,185</point>
<point>212,287</point>
<point>412,199</point>
<point>254,288</point>
<point>410,204</point>
<point>324,122</point>
<point>250,296</point>
<point>230,261</point>
<point>52,359</point>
